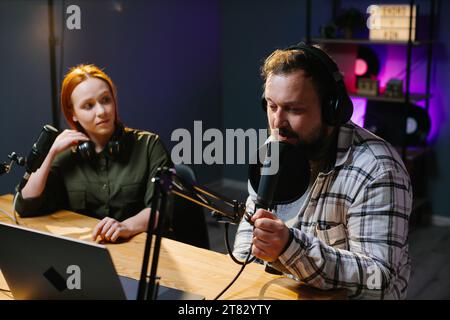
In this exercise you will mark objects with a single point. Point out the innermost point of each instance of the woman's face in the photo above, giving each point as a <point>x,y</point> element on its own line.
<point>94,108</point>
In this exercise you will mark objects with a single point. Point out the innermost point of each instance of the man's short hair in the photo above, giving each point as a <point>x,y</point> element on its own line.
<point>287,61</point>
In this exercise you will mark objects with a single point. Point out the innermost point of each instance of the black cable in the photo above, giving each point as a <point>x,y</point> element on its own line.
<point>237,276</point>
<point>230,252</point>
<point>247,261</point>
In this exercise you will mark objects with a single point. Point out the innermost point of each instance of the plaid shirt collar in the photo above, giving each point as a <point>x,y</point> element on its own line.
<point>344,144</point>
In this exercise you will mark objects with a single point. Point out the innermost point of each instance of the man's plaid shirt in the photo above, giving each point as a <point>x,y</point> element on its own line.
<point>351,230</point>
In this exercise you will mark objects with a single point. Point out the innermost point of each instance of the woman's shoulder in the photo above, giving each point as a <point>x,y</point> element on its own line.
<point>140,134</point>
<point>142,137</point>
<point>147,144</point>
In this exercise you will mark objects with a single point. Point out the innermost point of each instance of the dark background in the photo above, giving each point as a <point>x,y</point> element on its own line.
<point>175,62</point>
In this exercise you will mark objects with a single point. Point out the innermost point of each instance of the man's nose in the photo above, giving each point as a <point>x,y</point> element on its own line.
<point>279,118</point>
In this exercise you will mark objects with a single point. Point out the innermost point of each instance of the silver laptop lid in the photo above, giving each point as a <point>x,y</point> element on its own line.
<point>40,265</point>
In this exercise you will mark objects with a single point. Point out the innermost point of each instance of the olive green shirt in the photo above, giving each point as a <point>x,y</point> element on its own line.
<point>105,186</point>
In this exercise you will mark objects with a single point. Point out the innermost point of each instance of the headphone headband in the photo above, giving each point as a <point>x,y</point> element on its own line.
<point>325,60</point>
<point>339,108</point>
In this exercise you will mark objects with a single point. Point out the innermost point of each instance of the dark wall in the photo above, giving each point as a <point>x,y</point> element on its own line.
<point>440,180</point>
<point>24,80</point>
<point>162,55</point>
<point>250,31</point>
<point>175,62</point>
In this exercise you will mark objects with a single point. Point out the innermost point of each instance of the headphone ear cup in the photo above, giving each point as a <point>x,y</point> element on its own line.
<point>328,111</point>
<point>114,148</point>
<point>346,109</point>
<point>339,109</point>
<point>343,110</point>
<point>86,150</point>
<point>118,143</point>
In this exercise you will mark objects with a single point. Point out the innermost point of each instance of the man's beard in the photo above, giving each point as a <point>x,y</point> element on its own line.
<point>316,147</point>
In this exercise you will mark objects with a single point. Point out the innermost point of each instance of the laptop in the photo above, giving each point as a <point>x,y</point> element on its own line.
<point>40,265</point>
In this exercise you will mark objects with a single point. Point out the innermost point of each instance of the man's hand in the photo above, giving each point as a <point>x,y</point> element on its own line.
<point>270,235</point>
<point>110,230</point>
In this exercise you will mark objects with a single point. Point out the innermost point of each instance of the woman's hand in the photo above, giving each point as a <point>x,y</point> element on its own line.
<point>110,230</point>
<point>66,139</point>
<point>37,181</point>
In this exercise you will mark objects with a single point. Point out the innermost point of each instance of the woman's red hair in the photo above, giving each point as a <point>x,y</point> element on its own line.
<point>74,77</point>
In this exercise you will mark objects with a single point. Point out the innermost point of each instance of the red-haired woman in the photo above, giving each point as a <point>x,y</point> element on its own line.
<point>98,167</point>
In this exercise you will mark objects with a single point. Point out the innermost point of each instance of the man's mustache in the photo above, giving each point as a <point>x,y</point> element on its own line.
<point>287,133</point>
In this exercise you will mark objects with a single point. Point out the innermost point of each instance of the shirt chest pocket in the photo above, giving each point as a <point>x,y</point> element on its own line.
<point>130,198</point>
<point>335,236</point>
<point>130,193</point>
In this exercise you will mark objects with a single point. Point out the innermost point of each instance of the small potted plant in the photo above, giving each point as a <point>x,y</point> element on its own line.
<point>350,22</point>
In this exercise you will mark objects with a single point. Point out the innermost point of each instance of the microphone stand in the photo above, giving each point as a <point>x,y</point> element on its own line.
<point>167,182</point>
<point>6,168</point>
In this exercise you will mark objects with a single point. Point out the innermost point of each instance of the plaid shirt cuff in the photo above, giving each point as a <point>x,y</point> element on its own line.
<point>296,249</point>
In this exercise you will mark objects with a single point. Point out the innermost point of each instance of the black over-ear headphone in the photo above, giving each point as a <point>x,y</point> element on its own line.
<point>337,109</point>
<point>115,145</point>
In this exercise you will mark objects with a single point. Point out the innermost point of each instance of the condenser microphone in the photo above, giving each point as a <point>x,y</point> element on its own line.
<point>288,183</point>
<point>38,152</point>
<point>270,173</point>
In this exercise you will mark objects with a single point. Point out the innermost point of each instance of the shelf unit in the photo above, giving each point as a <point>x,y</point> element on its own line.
<point>409,97</point>
<point>416,159</point>
<point>367,41</point>
<point>413,97</point>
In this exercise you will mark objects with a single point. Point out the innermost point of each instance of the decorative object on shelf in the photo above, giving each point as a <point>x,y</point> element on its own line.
<point>386,120</point>
<point>389,121</point>
<point>367,87</point>
<point>394,89</point>
<point>347,25</point>
<point>418,125</point>
<point>350,22</point>
<point>367,64</point>
<point>367,68</point>
<point>328,31</point>
<point>391,22</point>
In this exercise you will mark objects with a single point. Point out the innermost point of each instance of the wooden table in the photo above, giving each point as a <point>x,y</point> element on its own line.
<point>180,265</point>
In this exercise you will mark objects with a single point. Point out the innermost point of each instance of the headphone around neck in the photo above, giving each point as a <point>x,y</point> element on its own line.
<point>337,109</point>
<point>115,145</point>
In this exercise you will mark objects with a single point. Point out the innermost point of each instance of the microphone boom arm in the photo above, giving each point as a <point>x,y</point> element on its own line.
<point>167,181</point>
<point>231,210</point>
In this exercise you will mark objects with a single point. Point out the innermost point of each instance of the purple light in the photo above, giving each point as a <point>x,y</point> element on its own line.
<point>395,68</point>
<point>359,110</point>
